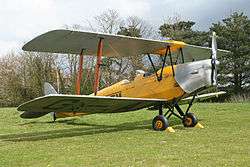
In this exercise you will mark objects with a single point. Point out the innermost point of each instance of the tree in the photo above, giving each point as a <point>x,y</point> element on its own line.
<point>10,80</point>
<point>36,69</point>
<point>135,27</point>
<point>22,76</point>
<point>108,21</point>
<point>234,35</point>
<point>68,65</point>
<point>182,30</point>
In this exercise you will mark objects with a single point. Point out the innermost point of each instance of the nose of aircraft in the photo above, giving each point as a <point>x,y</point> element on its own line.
<point>195,75</point>
<point>200,74</point>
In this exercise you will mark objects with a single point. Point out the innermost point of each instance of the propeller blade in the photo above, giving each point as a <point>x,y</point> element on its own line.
<point>214,46</point>
<point>214,59</point>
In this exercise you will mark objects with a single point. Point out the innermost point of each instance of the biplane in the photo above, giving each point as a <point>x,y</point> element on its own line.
<point>178,80</point>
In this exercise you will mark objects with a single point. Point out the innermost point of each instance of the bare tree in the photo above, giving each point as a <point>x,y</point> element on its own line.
<point>108,21</point>
<point>10,80</point>
<point>137,27</point>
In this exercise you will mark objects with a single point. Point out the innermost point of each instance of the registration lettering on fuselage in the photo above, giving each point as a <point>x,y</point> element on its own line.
<point>116,94</point>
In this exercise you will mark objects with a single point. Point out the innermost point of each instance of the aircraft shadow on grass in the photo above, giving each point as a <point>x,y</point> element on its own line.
<point>91,129</point>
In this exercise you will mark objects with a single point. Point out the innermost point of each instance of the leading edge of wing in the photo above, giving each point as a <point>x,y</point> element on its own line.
<point>93,34</point>
<point>206,48</point>
<point>22,106</point>
<point>202,97</point>
<point>72,42</point>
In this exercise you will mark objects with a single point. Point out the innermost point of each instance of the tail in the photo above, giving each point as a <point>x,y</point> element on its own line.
<point>49,89</point>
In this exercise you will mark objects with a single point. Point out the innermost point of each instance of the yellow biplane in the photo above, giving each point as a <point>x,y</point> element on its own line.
<point>177,81</point>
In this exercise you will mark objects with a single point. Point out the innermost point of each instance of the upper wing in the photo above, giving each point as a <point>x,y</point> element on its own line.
<point>66,41</point>
<point>192,52</point>
<point>201,97</point>
<point>72,42</point>
<point>83,103</point>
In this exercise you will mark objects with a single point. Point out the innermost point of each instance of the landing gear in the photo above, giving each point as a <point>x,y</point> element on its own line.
<point>160,122</point>
<point>189,120</point>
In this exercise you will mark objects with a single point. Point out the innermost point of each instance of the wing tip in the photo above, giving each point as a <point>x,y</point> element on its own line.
<point>28,46</point>
<point>30,114</point>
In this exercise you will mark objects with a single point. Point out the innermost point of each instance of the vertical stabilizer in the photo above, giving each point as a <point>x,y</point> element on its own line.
<point>49,89</point>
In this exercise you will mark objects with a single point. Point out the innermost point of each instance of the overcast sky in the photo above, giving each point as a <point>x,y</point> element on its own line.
<point>22,20</point>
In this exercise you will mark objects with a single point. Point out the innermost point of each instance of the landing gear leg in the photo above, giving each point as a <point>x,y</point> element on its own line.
<point>160,122</point>
<point>188,118</point>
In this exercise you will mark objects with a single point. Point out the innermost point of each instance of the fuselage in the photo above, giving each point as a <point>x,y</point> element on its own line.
<point>144,86</point>
<point>186,79</point>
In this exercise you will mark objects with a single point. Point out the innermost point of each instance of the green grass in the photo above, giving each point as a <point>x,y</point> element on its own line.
<point>126,139</point>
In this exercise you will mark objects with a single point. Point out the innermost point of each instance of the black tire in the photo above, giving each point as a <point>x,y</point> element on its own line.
<point>160,123</point>
<point>189,120</point>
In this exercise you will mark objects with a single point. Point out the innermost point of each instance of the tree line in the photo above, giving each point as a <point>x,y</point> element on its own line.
<point>23,74</point>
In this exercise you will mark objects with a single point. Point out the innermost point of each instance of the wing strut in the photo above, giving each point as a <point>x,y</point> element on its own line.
<point>155,71</point>
<point>170,57</point>
<point>182,57</point>
<point>168,52</point>
<point>79,75</point>
<point>98,65</point>
<point>159,78</point>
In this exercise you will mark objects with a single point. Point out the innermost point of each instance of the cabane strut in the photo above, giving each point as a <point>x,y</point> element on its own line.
<point>168,52</point>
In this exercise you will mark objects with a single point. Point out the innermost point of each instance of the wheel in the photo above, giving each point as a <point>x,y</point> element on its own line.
<point>160,123</point>
<point>189,120</point>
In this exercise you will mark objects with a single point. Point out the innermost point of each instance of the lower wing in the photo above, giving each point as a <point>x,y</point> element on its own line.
<point>83,104</point>
<point>201,97</point>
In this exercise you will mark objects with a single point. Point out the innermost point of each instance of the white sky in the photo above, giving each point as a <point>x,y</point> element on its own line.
<point>22,20</point>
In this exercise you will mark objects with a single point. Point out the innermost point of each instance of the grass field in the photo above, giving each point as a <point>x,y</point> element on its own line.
<point>126,139</point>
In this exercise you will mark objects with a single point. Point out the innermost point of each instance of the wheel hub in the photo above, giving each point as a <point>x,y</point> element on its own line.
<point>188,121</point>
<point>159,124</point>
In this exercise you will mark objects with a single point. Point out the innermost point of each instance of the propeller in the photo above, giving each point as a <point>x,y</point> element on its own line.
<point>214,60</point>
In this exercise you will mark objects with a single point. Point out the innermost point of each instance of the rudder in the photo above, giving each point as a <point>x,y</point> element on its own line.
<point>49,89</point>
